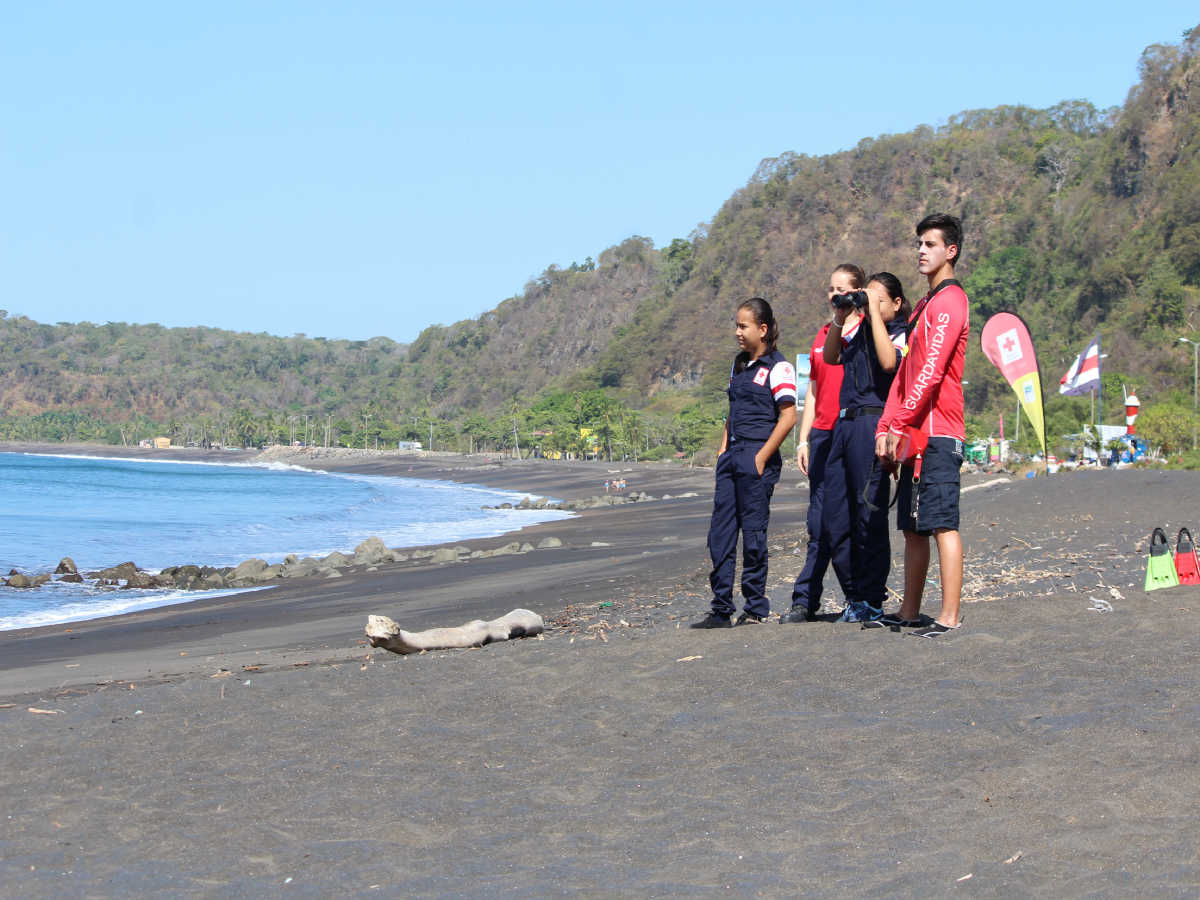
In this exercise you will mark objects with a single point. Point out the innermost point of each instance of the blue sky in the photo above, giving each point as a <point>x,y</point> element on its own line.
<point>359,169</point>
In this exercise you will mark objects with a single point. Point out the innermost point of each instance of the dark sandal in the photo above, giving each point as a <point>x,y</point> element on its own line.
<point>937,629</point>
<point>894,622</point>
<point>897,622</point>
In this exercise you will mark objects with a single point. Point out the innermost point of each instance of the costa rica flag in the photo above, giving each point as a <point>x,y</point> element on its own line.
<point>1084,375</point>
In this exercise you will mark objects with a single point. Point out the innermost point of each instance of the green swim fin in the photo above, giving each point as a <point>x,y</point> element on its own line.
<point>1160,567</point>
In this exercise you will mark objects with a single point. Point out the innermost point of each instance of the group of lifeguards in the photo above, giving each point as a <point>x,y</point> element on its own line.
<point>884,376</point>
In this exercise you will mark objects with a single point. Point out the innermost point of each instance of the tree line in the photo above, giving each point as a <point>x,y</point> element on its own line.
<point>560,424</point>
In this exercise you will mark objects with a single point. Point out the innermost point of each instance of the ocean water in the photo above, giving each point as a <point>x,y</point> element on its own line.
<point>102,512</point>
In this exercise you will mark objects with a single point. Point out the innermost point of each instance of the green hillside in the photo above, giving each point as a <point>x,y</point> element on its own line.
<point>1081,220</point>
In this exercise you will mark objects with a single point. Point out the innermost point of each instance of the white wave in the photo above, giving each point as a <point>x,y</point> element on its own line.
<point>437,484</point>
<point>432,533</point>
<point>273,465</point>
<point>110,605</point>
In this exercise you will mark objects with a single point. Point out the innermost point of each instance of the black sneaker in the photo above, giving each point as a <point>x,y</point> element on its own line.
<point>796,615</point>
<point>749,618</point>
<point>712,620</point>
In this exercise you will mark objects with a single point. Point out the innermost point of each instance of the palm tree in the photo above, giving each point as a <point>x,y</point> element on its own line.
<point>244,426</point>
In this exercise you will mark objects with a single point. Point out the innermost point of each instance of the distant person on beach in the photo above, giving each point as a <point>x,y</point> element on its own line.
<point>866,338</point>
<point>762,410</point>
<point>927,399</point>
<point>820,414</point>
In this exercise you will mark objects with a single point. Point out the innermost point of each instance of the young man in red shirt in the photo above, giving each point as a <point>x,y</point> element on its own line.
<point>927,396</point>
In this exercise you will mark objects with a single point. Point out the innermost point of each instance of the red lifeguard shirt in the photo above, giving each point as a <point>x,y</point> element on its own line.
<point>927,392</point>
<point>826,382</point>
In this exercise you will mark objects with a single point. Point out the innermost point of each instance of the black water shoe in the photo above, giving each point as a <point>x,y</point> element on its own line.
<point>796,615</point>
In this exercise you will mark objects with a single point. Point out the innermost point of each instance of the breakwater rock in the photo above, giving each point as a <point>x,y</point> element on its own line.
<point>370,555</point>
<point>596,501</point>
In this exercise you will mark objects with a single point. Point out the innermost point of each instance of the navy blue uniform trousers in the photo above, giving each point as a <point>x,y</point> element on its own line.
<point>741,503</point>
<point>857,528</point>
<point>810,582</point>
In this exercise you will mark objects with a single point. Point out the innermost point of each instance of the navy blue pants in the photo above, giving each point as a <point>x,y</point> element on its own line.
<point>741,503</point>
<point>857,526</point>
<point>810,581</point>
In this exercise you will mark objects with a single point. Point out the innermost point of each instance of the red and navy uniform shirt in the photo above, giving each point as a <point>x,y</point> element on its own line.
<point>756,394</point>
<point>927,392</point>
<point>865,383</point>
<point>826,382</point>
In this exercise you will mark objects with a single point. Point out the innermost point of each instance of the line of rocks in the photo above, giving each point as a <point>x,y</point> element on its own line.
<point>252,572</point>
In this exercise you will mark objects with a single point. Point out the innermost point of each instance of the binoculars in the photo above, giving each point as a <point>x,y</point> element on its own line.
<point>850,300</point>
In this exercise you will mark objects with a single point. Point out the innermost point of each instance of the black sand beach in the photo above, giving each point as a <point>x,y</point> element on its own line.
<point>255,745</point>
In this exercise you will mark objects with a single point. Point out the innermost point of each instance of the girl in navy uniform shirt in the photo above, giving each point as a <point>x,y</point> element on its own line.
<point>762,410</point>
<point>868,344</point>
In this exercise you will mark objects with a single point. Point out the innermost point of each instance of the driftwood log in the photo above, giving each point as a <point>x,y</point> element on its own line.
<point>383,632</point>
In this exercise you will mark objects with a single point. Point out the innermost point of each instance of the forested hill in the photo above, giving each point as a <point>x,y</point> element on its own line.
<point>1079,219</point>
<point>1082,220</point>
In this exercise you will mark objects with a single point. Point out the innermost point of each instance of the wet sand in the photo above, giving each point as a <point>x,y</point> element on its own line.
<point>253,744</point>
